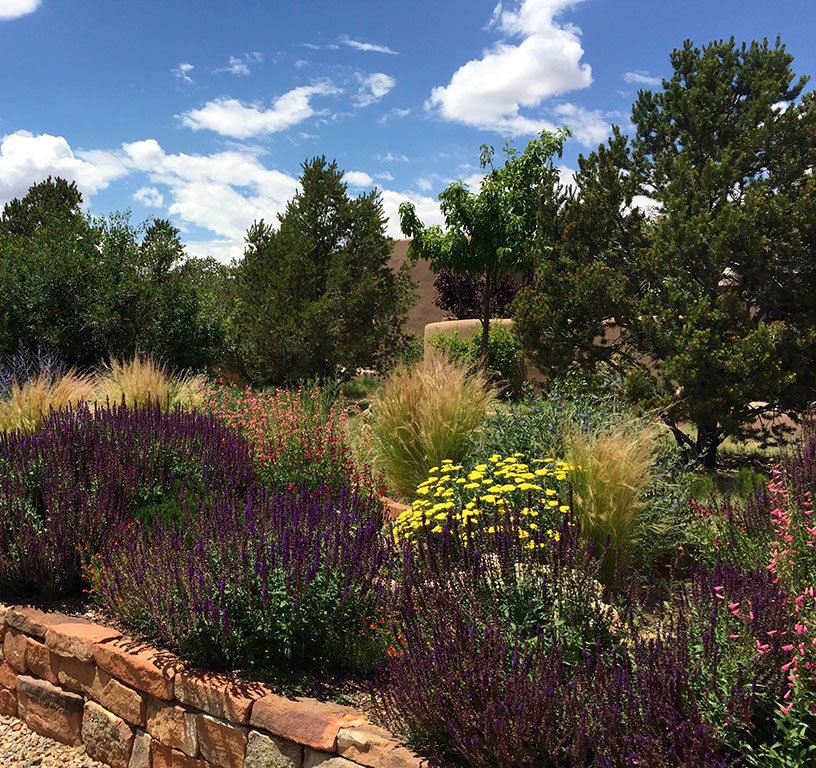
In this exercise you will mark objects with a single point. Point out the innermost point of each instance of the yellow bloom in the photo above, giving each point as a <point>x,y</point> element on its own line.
<point>471,486</point>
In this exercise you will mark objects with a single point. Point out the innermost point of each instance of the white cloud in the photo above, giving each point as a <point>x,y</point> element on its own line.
<point>490,92</point>
<point>474,182</point>
<point>384,176</point>
<point>26,159</point>
<point>424,183</point>
<point>360,45</point>
<point>357,179</point>
<point>182,72</point>
<point>239,65</point>
<point>641,77</point>
<point>316,47</point>
<point>149,196</point>
<point>393,114</point>
<point>566,176</point>
<point>231,117</point>
<point>224,251</point>
<point>372,88</point>
<point>13,9</point>
<point>390,157</point>
<point>427,209</point>
<point>589,126</point>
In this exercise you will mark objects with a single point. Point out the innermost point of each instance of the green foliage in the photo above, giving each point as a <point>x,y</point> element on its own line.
<point>712,292</point>
<point>316,295</point>
<point>88,288</point>
<point>423,416</point>
<point>488,235</point>
<point>502,352</point>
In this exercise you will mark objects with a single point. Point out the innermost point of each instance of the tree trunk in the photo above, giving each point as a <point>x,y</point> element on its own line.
<point>485,319</point>
<point>708,441</point>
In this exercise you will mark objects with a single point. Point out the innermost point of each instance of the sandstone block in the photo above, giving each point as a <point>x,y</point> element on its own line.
<point>218,695</point>
<point>49,710</point>
<point>77,640</point>
<point>8,703</point>
<point>40,662</point>
<point>139,666</point>
<point>76,675</point>
<point>312,758</point>
<point>123,701</point>
<point>173,726</point>
<point>140,754</point>
<point>8,677</point>
<point>107,738</point>
<point>167,757</point>
<point>374,747</point>
<point>305,721</point>
<point>34,622</point>
<point>221,743</point>
<point>14,650</point>
<point>271,752</point>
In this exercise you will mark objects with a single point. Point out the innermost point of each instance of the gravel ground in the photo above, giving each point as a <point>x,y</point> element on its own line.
<point>20,747</point>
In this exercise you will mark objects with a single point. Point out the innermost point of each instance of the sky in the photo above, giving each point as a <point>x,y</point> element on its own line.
<point>202,111</point>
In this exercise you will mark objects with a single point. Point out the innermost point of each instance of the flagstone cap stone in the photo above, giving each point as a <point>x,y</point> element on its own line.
<point>218,695</point>
<point>306,721</point>
<point>77,639</point>
<point>36,622</point>
<point>139,666</point>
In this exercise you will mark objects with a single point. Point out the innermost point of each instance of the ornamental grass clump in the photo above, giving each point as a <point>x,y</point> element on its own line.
<point>141,379</point>
<point>424,415</point>
<point>67,491</point>
<point>611,472</point>
<point>266,583</point>
<point>27,404</point>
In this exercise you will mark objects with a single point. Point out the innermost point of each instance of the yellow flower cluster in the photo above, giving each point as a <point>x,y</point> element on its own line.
<point>481,498</point>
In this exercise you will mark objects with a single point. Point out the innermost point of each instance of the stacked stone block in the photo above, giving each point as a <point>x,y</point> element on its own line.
<point>134,706</point>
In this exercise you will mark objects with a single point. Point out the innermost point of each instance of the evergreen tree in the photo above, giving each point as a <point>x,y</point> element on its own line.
<point>705,305</point>
<point>316,295</point>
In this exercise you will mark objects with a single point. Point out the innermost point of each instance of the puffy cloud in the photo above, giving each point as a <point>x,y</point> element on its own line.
<point>357,179</point>
<point>490,92</point>
<point>641,77</point>
<point>149,196</point>
<point>231,117</point>
<point>26,159</point>
<point>182,72</point>
<point>427,209</point>
<point>589,126</point>
<point>360,45</point>
<point>372,88</point>
<point>384,176</point>
<point>13,9</point>
<point>424,183</point>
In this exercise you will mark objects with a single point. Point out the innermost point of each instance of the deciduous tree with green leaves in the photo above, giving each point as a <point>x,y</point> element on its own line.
<point>488,235</point>
<point>316,295</point>
<point>684,258</point>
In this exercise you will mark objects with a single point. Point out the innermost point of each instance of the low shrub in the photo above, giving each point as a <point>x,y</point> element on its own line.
<point>424,415</point>
<point>69,489</point>
<point>271,582</point>
<point>503,354</point>
<point>297,436</point>
<point>505,656</point>
<point>533,495</point>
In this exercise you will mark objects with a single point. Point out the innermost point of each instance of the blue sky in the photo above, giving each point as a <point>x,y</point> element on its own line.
<point>201,111</point>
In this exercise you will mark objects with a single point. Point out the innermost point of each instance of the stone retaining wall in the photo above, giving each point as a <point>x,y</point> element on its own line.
<point>133,706</point>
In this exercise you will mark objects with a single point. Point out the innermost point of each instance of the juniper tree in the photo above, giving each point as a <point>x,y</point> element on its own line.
<point>705,305</point>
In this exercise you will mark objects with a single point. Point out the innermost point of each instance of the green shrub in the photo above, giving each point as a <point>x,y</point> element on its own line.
<point>502,351</point>
<point>425,415</point>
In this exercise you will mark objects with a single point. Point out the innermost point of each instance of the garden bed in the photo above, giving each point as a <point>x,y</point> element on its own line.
<point>135,706</point>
